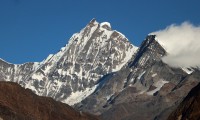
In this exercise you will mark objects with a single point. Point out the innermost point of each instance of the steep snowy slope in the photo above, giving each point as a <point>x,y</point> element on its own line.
<point>73,73</point>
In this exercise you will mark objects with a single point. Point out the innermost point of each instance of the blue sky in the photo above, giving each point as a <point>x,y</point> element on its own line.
<point>30,30</point>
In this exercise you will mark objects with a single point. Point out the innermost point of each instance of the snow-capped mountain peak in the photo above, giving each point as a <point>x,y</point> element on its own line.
<point>101,72</point>
<point>95,51</point>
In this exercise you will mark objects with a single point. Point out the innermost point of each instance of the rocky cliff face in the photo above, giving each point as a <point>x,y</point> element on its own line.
<point>23,104</point>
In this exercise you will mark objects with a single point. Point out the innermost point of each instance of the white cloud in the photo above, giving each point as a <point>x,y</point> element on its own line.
<point>182,43</point>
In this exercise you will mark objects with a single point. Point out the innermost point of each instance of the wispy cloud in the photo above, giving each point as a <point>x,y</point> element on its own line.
<point>182,42</point>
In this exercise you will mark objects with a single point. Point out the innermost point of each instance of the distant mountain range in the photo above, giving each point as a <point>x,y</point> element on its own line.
<point>100,72</point>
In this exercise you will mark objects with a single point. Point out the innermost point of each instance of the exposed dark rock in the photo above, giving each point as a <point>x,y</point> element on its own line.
<point>189,107</point>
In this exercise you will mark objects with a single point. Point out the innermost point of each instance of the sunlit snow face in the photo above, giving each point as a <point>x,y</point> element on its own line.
<point>182,43</point>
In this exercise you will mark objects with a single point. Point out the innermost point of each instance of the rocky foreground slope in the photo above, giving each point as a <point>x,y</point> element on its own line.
<point>17,103</point>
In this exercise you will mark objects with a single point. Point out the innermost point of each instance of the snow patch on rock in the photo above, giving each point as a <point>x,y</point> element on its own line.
<point>78,96</point>
<point>158,86</point>
<point>105,24</point>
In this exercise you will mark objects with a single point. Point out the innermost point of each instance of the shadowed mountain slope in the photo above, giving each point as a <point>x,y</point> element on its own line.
<point>17,103</point>
<point>189,109</point>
